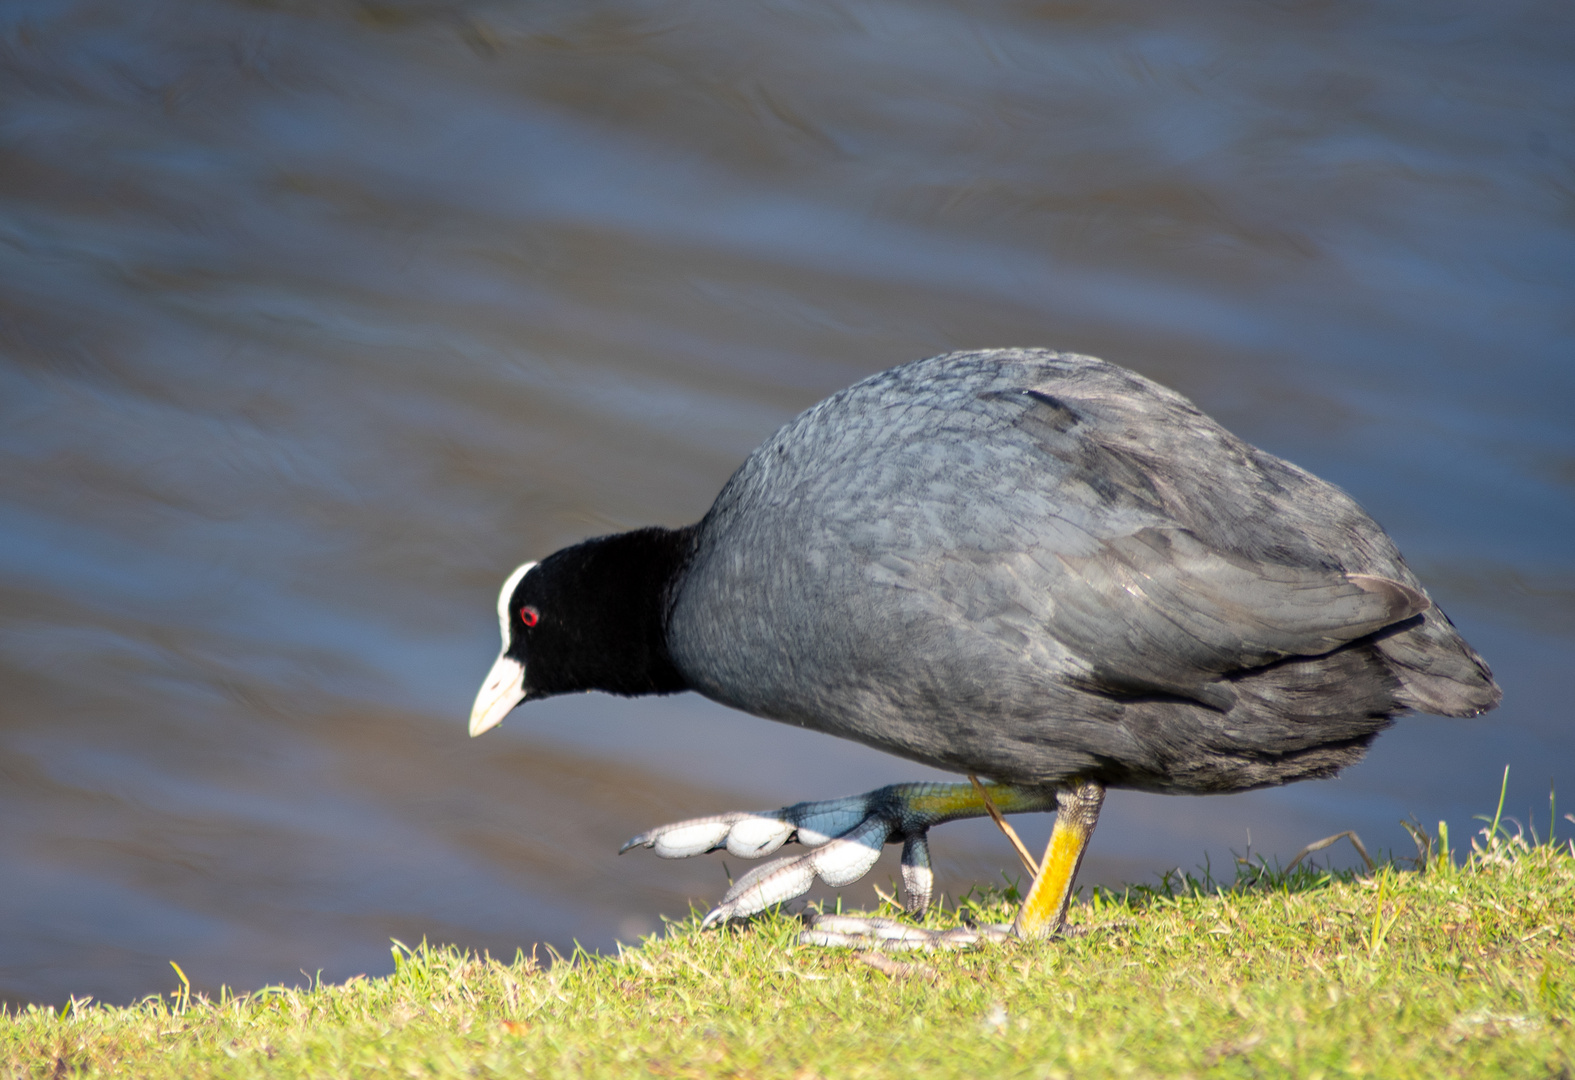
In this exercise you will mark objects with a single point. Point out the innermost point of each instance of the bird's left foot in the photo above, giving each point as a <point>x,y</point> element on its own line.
<point>846,836</point>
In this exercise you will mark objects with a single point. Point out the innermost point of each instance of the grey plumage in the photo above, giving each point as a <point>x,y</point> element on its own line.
<point>1034,565</point>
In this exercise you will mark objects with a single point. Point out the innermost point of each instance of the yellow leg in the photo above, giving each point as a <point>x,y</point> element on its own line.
<point>1044,908</point>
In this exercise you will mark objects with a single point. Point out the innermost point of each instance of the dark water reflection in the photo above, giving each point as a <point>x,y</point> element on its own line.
<point>316,319</point>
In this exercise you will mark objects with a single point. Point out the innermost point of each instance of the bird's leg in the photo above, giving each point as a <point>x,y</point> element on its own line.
<point>846,835</point>
<point>1043,912</point>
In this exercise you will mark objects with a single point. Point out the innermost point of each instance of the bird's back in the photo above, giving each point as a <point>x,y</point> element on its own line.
<point>1033,565</point>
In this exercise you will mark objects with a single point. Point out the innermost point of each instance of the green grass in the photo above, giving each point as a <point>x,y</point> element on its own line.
<point>1464,970</point>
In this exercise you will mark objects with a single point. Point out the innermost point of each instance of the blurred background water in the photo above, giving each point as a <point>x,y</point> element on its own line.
<point>317,318</point>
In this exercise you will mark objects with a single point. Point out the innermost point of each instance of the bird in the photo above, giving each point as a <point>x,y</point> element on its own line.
<point>1030,566</point>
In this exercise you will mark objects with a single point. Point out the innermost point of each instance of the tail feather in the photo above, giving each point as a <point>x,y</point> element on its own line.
<point>1438,672</point>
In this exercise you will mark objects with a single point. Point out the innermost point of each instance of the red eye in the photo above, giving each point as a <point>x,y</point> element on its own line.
<point>529,615</point>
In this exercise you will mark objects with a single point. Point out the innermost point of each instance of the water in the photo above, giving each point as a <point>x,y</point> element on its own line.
<point>316,319</point>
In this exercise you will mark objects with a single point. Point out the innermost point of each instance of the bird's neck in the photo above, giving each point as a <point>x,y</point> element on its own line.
<point>611,597</point>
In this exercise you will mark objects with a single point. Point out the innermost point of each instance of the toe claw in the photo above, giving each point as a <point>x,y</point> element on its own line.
<point>717,916</point>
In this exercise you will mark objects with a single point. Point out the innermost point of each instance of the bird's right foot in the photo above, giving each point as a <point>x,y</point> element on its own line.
<point>892,935</point>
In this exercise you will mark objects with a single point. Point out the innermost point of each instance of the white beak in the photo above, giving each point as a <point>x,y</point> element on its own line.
<point>504,689</point>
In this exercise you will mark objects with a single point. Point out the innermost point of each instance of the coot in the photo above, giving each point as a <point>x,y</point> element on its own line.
<point>1033,566</point>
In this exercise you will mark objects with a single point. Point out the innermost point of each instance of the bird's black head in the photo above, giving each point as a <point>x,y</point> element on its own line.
<point>589,617</point>
<point>505,686</point>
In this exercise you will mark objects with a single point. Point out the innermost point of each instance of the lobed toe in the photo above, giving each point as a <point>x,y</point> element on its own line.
<point>757,835</point>
<point>685,838</point>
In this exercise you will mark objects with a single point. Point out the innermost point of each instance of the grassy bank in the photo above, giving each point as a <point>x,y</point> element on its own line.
<point>1464,970</point>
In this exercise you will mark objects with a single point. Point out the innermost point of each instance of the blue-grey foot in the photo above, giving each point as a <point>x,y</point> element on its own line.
<point>893,935</point>
<point>846,837</point>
